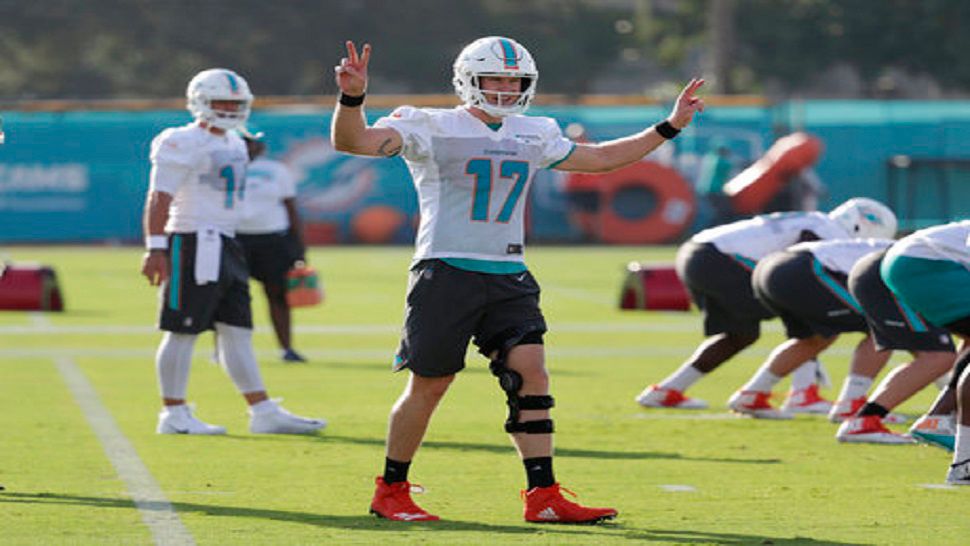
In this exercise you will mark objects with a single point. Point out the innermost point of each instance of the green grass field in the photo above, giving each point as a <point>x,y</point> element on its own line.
<point>750,482</point>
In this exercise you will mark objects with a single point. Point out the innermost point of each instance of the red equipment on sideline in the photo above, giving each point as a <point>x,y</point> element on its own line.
<point>29,287</point>
<point>752,189</point>
<point>654,288</point>
<point>303,287</point>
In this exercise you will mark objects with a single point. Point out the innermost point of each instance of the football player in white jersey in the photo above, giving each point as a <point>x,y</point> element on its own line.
<point>930,271</point>
<point>805,285</point>
<point>716,266</point>
<point>472,167</point>
<point>271,236</point>
<point>191,214</point>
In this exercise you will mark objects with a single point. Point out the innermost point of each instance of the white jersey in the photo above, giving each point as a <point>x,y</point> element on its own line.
<point>947,242</point>
<point>841,255</point>
<point>268,183</point>
<point>472,181</point>
<point>759,236</point>
<point>205,175</point>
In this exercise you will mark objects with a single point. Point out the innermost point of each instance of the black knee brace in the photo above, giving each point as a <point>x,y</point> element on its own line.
<point>511,382</point>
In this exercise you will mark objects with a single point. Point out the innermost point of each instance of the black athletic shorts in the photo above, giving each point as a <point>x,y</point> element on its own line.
<point>810,299</point>
<point>894,325</point>
<point>720,285</point>
<point>447,307</point>
<point>270,256</point>
<point>190,308</point>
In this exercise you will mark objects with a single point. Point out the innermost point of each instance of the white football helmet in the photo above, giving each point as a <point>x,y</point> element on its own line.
<point>495,56</point>
<point>864,217</point>
<point>219,84</point>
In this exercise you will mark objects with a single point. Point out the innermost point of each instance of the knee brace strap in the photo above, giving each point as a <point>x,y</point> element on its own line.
<point>542,426</point>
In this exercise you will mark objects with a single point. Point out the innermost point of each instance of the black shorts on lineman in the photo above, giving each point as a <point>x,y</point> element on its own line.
<point>190,308</point>
<point>810,299</point>
<point>270,256</point>
<point>894,325</point>
<point>720,285</point>
<point>447,307</point>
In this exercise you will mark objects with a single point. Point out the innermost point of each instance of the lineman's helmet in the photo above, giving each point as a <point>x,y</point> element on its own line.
<point>864,217</point>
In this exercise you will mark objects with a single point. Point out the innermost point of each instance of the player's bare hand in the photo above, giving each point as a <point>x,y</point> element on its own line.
<point>351,73</point>
<point>154,266</point>
<point>687,105</point>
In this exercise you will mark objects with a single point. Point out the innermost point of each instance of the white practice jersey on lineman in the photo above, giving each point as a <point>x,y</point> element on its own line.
<point>210,179</point>
<point>947,242</point>
<point>841,255</point>
<point>759,236</point>
<point>472,181</point>
<point>268,183</point>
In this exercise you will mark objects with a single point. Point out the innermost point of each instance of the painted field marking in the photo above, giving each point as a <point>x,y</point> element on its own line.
<point>679,488</point>
<point>156,511</point>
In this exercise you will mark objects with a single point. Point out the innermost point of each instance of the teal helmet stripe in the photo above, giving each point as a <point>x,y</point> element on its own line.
<point>233,84</point>
<point>508,52</point>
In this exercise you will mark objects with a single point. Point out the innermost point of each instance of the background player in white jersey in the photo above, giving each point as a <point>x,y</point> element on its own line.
<point>930,271</point>
<point>191,214</point>
<point>805,285</point>
<point>271,236</point>
<point>472,167</point>
<point>716,266</point>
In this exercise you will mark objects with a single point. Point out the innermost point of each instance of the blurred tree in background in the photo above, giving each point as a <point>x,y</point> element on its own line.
<point>149,48</point>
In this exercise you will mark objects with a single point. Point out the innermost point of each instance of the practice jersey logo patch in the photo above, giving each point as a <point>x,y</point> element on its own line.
<point>513,248</point>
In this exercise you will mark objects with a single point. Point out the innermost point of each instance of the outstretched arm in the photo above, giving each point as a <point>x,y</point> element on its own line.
<point>613,154</point>
<point>349,131</point>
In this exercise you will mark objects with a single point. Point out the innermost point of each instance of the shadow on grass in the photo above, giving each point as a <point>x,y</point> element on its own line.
<point>507,448</point>
<point>370,523</point>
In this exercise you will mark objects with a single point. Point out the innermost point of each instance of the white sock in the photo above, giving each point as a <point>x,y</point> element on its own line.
<point>683,378</point>
<point>263,406</point>
<point>805,375</point>
<point>763,381</point>
<point>962,449</point>
<point>237,357</point>
<point>173,360</point>
<point>855,386</point>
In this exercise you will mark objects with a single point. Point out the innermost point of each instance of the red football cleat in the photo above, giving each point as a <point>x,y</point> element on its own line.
<point>393,502</point>
<point>547,505</point>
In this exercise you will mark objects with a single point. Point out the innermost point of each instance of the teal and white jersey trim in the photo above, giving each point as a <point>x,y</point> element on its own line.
<point>564,158</point>
<point>486,266</point>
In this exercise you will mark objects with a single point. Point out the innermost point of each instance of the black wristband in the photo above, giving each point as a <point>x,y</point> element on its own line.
<point>349,100</point>
<point>666,130</point>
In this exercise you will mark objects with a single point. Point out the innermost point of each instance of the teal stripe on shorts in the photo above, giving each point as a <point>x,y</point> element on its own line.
<point>937,289</point>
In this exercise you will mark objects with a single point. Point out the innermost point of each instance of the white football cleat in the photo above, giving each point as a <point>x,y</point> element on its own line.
<point>179,420</point>
<point>756,404</point>
<point>656,396</point>
<point>806,401</point>
<point>869,430</point>
<point>959,473</point>
<point>936,430</point>
<point>271,418</point>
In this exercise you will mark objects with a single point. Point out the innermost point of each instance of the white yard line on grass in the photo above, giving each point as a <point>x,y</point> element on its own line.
<point>155,509</point>
<point>679,488</point>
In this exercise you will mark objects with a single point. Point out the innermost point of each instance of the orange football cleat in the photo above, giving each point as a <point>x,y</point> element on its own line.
<point>547,505</point>
<point>393,501</point>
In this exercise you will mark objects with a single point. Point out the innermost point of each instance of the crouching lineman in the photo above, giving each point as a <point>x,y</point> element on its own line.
<point>716,266</point>
<point>806,286</point>
<point>893,326</point>
<point>190,219</point>
<point>930,271</point>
